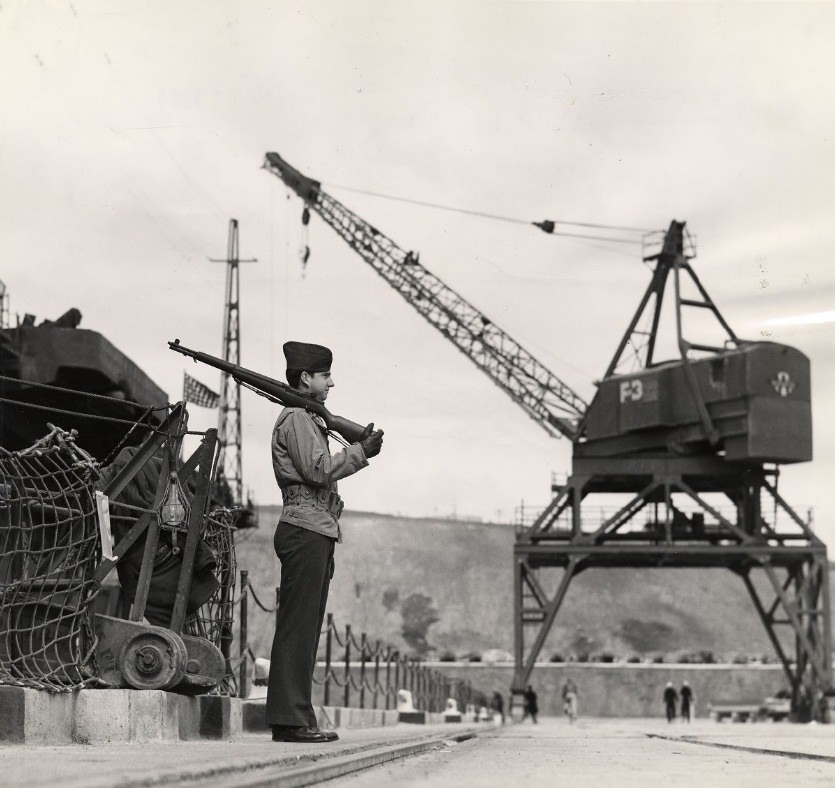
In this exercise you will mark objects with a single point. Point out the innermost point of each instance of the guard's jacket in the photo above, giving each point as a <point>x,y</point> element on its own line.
<point>307,472</point>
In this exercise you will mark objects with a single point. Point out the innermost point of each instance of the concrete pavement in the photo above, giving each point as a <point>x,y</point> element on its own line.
<point>810,741</point>
<point>220,762</point>
<point>622,754</point>
<point>252,759</point>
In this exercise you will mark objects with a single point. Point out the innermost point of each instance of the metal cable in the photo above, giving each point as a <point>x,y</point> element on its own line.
<point>87,394</point>
<point>67,412</point>
<point>497,217</point>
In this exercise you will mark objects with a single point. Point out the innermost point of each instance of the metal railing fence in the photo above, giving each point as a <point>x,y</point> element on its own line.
<point>360,673</point>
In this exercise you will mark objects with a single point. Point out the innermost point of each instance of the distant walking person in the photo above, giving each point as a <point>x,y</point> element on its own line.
<point>531,706</point>
<point>686,699</point>
<point>670,700</point>
<point>569,700</point>
<point>498,705</point>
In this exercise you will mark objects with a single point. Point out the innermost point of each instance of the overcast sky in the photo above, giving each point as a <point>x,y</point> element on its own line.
<point>131,132</point>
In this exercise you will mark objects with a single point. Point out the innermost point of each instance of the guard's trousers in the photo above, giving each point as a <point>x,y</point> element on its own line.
<point>306,570</point>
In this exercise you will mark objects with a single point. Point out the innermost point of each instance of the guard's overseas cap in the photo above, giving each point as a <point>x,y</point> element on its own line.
<point>305,357</point>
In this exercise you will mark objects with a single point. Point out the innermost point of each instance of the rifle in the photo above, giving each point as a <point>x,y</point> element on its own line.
<point>278,392</point>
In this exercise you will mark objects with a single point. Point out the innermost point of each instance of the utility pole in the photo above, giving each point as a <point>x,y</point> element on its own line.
<point>4,306</point>
<point>229,417</point>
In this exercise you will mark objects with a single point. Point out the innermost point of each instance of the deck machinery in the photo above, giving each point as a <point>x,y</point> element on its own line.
<point>685,450</point>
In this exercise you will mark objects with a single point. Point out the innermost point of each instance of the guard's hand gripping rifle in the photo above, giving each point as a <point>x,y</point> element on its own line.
<point>279,392</point>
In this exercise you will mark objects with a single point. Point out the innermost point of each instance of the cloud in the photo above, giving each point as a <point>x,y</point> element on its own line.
<point>801,320</point>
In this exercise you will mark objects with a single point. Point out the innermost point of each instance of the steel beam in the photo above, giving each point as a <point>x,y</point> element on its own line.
<point>801,601</point>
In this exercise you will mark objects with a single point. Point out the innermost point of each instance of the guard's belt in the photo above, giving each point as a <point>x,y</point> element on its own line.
<point>317,497</point>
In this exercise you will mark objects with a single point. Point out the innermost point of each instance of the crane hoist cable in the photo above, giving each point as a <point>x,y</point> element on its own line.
<point>548,226</point>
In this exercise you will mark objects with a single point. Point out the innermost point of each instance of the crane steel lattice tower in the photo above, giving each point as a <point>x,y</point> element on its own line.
<point>229,416</point>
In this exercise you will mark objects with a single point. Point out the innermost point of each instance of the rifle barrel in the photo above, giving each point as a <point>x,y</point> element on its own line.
<point>275,389</point>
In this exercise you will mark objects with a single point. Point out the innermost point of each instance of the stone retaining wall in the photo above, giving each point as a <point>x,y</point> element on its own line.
<point>630,690</point>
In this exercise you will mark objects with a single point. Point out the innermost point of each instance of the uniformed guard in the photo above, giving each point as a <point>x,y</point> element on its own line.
<point>304,540</point>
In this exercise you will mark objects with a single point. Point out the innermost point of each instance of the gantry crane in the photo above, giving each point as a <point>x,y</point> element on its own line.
<point>675,442</point>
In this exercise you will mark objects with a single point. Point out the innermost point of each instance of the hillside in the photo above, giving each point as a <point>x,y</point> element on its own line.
<point>437,587</point>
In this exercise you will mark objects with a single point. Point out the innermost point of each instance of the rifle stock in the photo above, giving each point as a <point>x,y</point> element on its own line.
<point>278,392</point>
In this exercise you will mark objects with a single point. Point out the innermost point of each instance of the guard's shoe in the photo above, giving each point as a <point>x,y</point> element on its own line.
<point>300,734</point>
<point>332,735</point>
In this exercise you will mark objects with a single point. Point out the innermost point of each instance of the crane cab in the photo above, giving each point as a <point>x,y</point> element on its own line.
<point>757,398</point>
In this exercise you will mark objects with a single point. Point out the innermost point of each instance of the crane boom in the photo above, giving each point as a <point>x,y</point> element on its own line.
<point>542,395</point>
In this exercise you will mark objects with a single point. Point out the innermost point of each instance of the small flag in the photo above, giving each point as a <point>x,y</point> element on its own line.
<point>198,394</point>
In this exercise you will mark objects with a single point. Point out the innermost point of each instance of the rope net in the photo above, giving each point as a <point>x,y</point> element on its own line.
<point>49,549</point>
<point>214,620</point>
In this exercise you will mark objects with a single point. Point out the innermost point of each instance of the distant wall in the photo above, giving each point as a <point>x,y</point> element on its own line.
<point>625,690</point>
